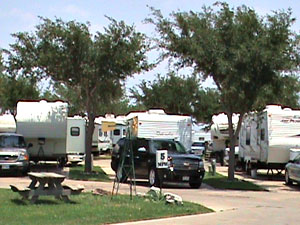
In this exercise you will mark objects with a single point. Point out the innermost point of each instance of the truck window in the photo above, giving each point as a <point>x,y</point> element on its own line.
<point>75,131</point>
<point>170,146</point>
<point>12,141</point>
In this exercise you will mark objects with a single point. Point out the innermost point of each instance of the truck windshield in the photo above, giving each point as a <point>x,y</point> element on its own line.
<point>169,145</point>
<point>12,141</point>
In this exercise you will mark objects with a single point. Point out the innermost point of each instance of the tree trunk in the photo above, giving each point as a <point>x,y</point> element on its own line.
<point>88,143</point>
<point>231,152</point>
<point>233,135</point>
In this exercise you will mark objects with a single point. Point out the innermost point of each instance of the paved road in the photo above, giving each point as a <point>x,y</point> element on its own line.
<point>278,206</point>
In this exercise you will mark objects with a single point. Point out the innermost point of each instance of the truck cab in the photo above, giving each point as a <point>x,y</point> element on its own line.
<point>13,153</point>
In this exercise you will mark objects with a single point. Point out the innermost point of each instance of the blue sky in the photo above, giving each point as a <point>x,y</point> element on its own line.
<point>22,15</point>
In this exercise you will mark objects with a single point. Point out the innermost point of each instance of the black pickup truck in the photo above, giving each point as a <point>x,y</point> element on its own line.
<point>182,166</point>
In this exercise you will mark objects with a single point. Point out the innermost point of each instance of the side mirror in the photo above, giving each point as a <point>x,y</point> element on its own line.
<point>142,149</point>
<point>29,145</point>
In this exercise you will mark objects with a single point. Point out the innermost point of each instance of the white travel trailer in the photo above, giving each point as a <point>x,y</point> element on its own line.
<point>104,138</point>
<point>220,134</point>
<point>266,137</point>
<point>111,130</point>
<point>76,132</point>
<point>158,124</point>
<point>95,140</point>
<point>44,125</point>
<point>120,129</point>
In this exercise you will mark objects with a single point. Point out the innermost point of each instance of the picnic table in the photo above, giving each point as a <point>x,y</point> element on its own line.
<point>45,183</point>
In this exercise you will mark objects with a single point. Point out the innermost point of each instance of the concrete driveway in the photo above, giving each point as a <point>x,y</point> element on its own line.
<point>280,205</point>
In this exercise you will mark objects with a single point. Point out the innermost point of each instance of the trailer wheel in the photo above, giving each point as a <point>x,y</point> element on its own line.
<point>248,167</point>
<point>62,162</point>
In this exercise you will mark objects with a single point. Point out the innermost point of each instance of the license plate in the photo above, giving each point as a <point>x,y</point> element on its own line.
<point>185,178</point>
<point>5,167</point>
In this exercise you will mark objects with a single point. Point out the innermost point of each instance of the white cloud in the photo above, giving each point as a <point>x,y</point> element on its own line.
<point>70,10</point>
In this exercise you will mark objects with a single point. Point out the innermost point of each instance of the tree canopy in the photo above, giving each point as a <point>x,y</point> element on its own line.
<point>243,52</point>
<point>93,66</point>
<point>13,88</point>
<point>178,95</point>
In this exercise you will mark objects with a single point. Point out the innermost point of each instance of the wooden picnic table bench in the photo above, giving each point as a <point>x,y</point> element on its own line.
<point>45,183</point>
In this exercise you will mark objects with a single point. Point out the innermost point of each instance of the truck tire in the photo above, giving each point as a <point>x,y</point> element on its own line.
<point>288,181</point>
<point>153,178</point>
<point>195,182</point>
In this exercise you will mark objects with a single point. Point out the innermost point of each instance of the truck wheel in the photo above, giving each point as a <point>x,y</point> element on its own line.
<point>153,178</point>
<point>288,181</point>
<point>195,182</point>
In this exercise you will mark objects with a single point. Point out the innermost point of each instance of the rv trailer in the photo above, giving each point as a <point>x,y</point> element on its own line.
<point>220,134</point>
<point>267,137</point>
<point>159,125</point>
<point>76,133</point>
<point>44,125</point>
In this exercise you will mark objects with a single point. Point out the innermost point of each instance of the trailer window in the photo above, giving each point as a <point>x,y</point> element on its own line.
<point>248,132</point>
<point>262,134</point>
<point>75,131</point>
<point>117,132</point>
<point>124,132</point>
<point>105,133</point>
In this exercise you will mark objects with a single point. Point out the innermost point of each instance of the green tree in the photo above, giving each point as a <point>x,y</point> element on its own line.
<point>13,88</point>
<point>243,52</point>
<point>94,67</point>
<point>178,95</point>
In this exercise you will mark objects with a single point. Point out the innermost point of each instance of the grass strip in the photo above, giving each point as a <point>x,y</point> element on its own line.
<point>77,173</point>
<point>221,182</point>
<point>87,209</point>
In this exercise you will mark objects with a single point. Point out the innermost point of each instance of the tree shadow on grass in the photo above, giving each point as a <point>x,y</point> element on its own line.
<point>42,202</point>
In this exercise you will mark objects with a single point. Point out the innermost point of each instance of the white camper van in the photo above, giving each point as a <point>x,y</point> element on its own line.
<point>266,137</point>
<point>220,134</point>
<point>157,124</point>
<point>44,125</point>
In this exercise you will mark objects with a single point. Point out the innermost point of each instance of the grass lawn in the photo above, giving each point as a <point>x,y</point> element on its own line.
<point>221,182</point>
<point>87,209</point>
<point>77,173</point>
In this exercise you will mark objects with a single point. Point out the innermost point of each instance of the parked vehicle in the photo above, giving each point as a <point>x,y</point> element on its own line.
<point>45,125</point>
<point>183,167</point>
<point>95,140</point>
<point>198,148</point>
<point>292,171</point>
<point>13,149</point>
<point>266,137</point>
<point>76,131</point>
<point>236,155</point>
<point>157,124</point>
<point>220,135</point>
